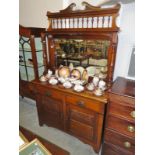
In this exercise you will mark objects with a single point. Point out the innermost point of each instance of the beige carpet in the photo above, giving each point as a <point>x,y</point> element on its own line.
<point>28,119</point>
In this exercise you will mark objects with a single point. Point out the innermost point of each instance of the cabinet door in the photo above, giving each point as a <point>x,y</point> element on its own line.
<point>81,122</point>
<point>50,111</point>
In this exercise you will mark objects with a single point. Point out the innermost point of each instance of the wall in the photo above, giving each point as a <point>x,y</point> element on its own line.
<point>126,39</point>
<point>33,12</point>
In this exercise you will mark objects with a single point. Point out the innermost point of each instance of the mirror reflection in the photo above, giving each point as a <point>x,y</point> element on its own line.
<point>90,54</point>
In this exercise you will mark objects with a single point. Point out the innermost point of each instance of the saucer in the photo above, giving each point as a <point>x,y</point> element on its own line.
<point>43,78</point>
<point>90,86</point>
<point>78,88</point>
<point>98,92</point>
<point>67,84</point>
<point>53,81</point>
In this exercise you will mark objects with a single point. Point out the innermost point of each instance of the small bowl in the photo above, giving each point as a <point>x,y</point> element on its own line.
<point>67,84</point>
<point>78,88</point>
<point>90,86</point>
<point>43,78</point>
<point>98,92</point>
<point>62,80</point>
<point>53,81</point>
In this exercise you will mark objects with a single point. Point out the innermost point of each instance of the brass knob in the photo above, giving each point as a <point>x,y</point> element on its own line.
<point>127,144</point>
<point>81,103</point>
<point>132,114</point>
<point>131,128</point>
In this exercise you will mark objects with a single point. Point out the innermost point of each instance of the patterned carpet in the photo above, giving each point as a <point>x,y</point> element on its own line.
<point>29,120</point>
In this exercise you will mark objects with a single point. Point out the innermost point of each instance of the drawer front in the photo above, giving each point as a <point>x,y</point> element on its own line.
<point>123,111</point>
<point>109,149</point>
<point>86,103</point>
<point>121,126</point>
<point>119,140</point>
<point>49,92</point>
<point>122,100</point>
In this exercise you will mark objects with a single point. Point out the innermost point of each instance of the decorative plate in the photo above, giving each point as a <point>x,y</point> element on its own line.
<point>76,74</point>
<point>85,76</point>
<point>64,72</point>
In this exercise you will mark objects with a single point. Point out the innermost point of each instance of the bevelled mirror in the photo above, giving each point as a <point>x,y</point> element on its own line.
<point>83,53</point>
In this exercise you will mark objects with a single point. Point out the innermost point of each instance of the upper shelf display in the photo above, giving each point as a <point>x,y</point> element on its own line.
<point>91,17</point>
<point>83,38</point>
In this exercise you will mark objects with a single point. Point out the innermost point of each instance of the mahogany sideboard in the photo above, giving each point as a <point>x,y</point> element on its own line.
<point>79,114</point>
<point>119,134</point>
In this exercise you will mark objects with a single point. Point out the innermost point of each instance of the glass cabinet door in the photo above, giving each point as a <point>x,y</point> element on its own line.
<point>26,64</point>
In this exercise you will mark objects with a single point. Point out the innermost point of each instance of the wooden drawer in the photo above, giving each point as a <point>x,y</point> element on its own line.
<point>49,92</point>
<point>109,149</point>
<point>119,140</point>
<point>86,103</point>
<point>122,100</point>
<point>121,126</point>
<point>122,111</point>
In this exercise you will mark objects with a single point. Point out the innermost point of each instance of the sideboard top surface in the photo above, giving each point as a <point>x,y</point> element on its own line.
<point>124,87</point>
<point>85,93</point>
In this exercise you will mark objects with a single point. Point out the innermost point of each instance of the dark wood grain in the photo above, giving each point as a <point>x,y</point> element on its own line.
<point>118,139</point>
<point>88,32</point>
<point>119,134</point>
<point>123,87</point>
<point>110,149</point>
<point>79,114</point>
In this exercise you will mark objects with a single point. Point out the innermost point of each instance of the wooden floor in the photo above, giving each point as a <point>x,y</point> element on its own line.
<point>55,150</point>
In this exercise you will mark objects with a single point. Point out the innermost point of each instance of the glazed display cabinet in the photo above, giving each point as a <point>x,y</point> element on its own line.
<point>31,64</point>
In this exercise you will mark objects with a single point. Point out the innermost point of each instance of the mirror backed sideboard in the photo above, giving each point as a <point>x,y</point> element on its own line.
<point>84,40</point>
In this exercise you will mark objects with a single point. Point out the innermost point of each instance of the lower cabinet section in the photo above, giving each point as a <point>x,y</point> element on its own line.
<point>25,89</point>
<point>50,112</point>
<point>77,115</point>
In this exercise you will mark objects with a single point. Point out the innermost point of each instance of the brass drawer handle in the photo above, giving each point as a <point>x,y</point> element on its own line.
<point>81,103</point>
<point>131,128</point>
<point>47,93</point>
<point>132,114</point>
<point>127,144</point>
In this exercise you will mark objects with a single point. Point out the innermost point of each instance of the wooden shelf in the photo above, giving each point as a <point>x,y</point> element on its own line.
<point>30,65</point>
<point>29,50</point>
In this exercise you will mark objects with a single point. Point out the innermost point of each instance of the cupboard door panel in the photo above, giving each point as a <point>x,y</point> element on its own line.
<point>80,129</point>
<point>85,117</point>
<point>50,111</point>
<point>52,104</point>
<point>81,122</point>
